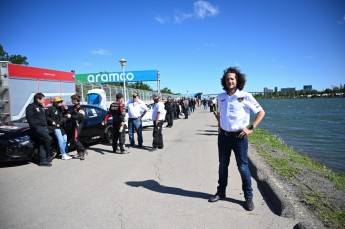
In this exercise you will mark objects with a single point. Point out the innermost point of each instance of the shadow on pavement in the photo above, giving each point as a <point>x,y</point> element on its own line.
<point>156,187</point>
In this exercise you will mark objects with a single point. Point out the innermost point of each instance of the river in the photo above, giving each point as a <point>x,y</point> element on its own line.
<point>314,127</point>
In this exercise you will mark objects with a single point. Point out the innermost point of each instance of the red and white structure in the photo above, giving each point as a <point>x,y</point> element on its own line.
<point>19,84</point>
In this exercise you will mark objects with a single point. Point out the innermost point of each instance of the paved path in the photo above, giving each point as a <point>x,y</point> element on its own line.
<point>168,188</point>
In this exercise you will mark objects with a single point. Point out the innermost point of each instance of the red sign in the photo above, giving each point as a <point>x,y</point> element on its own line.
<point>19,71</point>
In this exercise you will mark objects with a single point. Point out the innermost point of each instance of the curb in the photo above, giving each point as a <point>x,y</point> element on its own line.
<point>276,199</point>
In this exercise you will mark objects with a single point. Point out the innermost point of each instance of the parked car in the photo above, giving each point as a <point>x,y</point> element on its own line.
<point>16,143</point>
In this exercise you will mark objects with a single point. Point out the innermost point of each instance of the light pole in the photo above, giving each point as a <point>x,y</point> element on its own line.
<point>123,63</point>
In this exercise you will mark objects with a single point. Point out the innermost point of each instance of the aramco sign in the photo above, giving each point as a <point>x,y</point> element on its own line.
<point>109,77</point>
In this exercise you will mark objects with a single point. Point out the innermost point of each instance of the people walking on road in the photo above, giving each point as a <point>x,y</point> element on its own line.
<point>77,116</point>
<point>210,104</point>
<point>234,106</point>
<point>204,102</point>
<point>185,107</point>
<point>57,116</point>
<point>170,109</point>
<point>158,116</point>
<point>118,111</point>
<point>36,117</point>
<point>136,111</point>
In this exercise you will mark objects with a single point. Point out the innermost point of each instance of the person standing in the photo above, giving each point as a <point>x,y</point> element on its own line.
<point>56,118</point>
<point>36,117</point>
<point>77,116</point>
<point>169,107</point>
<point>234,106</point>
<point>118,110</point>
<point>158,116</point>
<point>136,111</point>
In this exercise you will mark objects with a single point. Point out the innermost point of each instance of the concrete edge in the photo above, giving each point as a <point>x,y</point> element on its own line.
<point>275,195</point>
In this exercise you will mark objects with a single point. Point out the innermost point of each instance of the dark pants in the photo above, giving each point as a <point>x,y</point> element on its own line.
<point>157,135</point>
<point>240,148</point>
<point>185,111</point>
<point>117,136</point>
<point>170,118</point>
<point>44,142</point>
<point>75,141</point>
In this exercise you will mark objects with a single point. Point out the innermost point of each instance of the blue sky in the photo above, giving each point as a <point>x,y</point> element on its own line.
<point>275,42</point>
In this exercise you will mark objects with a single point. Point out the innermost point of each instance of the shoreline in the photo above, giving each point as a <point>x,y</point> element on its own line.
<point>300,187</point>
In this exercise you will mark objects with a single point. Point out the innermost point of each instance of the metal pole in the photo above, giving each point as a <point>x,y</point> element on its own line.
<point>124,81</point>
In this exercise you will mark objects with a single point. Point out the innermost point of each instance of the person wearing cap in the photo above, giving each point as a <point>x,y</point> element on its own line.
<point>118,111</point>
<point>56,119</point>
<point>158,116</point>
<point>136,111</point>
<point>234,106</point>
<point>36,117</point>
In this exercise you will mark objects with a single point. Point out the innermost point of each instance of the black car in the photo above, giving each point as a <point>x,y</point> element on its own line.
<point>16,144</point>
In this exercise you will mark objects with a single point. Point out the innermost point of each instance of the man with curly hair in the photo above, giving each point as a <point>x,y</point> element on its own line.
<point>234,106</point>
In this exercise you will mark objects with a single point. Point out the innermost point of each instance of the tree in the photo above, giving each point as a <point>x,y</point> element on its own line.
<point>166,90</point>
<point>140,85</point>
<point>14,59</point>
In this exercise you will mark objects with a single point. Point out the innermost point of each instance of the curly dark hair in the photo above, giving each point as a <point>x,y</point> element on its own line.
<point>76,97</point>
<point>240,77</point>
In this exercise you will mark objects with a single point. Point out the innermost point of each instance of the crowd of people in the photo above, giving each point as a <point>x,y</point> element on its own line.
<point>42,120</point>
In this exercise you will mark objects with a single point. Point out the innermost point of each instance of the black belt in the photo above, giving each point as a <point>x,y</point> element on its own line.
<point>227,133</point>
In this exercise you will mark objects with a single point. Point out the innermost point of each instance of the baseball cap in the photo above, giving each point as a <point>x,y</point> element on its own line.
<point>57,99</point>
<point>155,95</point>
<point>135,94</point>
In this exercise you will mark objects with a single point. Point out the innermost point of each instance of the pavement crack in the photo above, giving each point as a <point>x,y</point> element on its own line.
<point>120,217</point>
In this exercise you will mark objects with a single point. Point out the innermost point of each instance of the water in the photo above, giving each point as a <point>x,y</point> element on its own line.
<point>314,127</point>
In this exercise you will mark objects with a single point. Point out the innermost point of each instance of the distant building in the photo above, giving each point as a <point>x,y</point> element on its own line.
<point>275,89</point>
<point>288,91</point>
<point>267,91</point>
<point>307,87</point>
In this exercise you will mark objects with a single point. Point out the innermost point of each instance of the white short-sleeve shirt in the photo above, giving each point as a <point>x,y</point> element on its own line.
<point>235,110</point>
<point>136,109</point>
<point>158,108</point>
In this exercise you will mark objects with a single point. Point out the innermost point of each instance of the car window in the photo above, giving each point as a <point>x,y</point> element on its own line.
<point>91,112</point>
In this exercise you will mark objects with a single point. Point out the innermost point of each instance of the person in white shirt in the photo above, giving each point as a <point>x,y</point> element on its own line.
<point>234,106</point>
<point>158,116</point>
<point>136,111</point>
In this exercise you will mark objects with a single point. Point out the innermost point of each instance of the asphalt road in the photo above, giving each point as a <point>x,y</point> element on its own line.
<point>168,188</point>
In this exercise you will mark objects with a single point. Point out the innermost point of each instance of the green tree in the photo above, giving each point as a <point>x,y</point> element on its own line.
<point>166,90</point>
<point>14,59</point>
<point>140,85</point>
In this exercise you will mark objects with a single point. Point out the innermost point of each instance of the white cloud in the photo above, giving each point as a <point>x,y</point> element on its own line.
<point>161,20</point>
<point>204,9</point>
<point>180,16</point>
<point>201,10</point>
<point>101,52</point>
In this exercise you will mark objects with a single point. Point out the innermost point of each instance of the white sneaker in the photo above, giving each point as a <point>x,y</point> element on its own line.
<point>66,157</point>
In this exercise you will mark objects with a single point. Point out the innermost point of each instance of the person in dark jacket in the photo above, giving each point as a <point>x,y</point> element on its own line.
<point>170,109</point>
<point>77,115</point>
<point>56,118</point>
<point>36,117</point>
<point>118,110</point>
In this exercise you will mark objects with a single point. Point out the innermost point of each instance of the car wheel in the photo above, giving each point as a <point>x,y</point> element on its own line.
<point>108,135</point>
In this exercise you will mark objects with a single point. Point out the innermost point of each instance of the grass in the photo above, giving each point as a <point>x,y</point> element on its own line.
<point>288,163</point>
